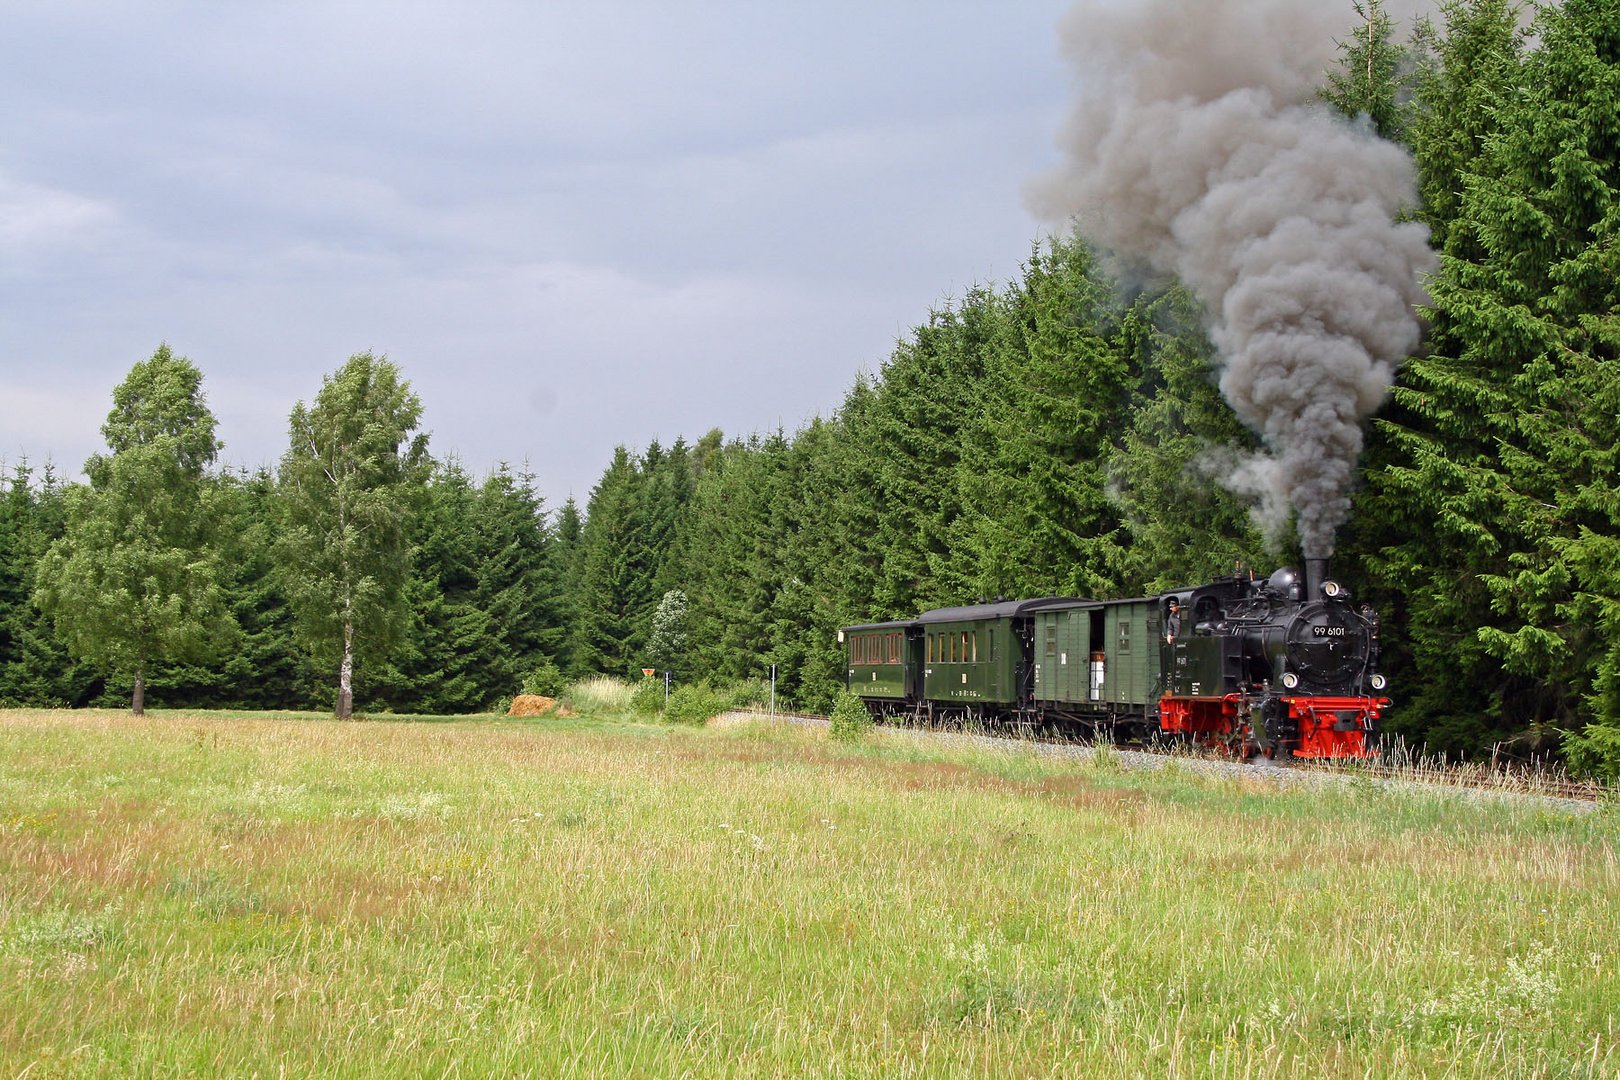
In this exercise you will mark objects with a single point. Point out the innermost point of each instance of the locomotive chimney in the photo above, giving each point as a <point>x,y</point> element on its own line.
<point>1316,572</point>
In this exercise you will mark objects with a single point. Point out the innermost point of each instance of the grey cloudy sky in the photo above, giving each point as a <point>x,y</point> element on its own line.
<point>571,224</point>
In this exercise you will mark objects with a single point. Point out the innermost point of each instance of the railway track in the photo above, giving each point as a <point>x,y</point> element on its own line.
<point>1482,780</point>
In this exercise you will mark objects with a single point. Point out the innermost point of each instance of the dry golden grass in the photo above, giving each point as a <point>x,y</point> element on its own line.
<point>185,895</point>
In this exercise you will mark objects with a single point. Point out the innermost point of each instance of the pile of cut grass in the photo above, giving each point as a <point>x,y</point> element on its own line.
<point>191,894</point>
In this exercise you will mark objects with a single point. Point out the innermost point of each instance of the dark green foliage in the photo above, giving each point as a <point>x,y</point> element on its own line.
<point>614,578</point>
<point>628,557</point>
<point>566,565</point>
<point>736,558</point>
<point>1501,487</point>
<point>35,667</point>
<point>1594,754</point>
<point>263,668</point>
<point>1034,470</point>
<point>484,596</point>
<point>929,408</point>
<point>1471,71</point>
<point>1374,74</point>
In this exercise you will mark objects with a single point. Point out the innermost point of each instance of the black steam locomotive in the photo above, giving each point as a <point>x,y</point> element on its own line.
<point>1284,665</point>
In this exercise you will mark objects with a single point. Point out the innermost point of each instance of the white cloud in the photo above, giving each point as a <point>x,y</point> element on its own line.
<point>36,219</point>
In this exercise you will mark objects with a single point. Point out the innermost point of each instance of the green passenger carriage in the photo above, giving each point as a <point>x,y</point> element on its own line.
<point>975,658</point>
<point>884,662</point>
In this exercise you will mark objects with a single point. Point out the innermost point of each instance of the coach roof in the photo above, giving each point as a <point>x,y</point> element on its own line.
<point>1004,609</point>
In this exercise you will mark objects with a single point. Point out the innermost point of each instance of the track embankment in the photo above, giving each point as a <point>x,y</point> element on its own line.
<point>1466,784</point>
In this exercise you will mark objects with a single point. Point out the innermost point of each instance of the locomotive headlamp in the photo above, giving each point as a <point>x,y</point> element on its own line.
<point>1331,589</point>
<point>1290,680</point>
<point>1379,682</point>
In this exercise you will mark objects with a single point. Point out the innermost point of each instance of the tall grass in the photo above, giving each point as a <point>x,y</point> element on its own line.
<point>193,895</point>
<point>600,695</point>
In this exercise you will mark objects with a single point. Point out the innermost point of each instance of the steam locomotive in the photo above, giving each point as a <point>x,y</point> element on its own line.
<point>1282,666</point>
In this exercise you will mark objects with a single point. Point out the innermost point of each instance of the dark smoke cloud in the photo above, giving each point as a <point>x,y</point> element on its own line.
<point>1197,150</point>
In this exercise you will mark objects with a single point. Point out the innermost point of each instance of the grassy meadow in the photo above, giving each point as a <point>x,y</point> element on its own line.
<point>227,894</point>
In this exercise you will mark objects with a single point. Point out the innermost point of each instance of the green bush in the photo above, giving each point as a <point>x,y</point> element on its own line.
<point>697,703</point>
<point>648,699</point>
<point>547,680</point>
<point>850,720</point>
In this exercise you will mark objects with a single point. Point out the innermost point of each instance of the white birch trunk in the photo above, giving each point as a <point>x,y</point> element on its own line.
<point>345,707</point>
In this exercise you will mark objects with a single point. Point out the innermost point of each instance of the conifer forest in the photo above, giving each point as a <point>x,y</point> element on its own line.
<point>1058,434</point>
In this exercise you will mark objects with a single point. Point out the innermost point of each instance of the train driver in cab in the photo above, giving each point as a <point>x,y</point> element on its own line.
<point>1172,622</point>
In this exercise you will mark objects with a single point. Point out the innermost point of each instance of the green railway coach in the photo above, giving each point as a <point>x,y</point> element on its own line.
<point>884,660</point>
<point>1098,658</point>
<point>977,656</point>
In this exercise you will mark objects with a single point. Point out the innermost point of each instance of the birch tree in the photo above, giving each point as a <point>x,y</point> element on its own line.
<point>347,484</point>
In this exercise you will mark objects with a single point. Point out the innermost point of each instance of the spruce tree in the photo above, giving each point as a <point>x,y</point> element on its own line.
<point>612,576</point>
<point>1504,467</point>
<point>1470,71</point>
<point>438,661</point>
<point>518,583</point>
<point>929,405</point>
<point>566,562</point>
<point>1373,75</point>
<point>1037,515</point>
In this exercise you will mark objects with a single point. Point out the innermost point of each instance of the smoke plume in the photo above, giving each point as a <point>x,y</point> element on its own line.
<point>1197,150</point>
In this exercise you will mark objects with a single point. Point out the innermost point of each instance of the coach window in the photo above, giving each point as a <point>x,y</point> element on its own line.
<point>975,646</point>
<point>1124,635</point>
<point>1051,639</point>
